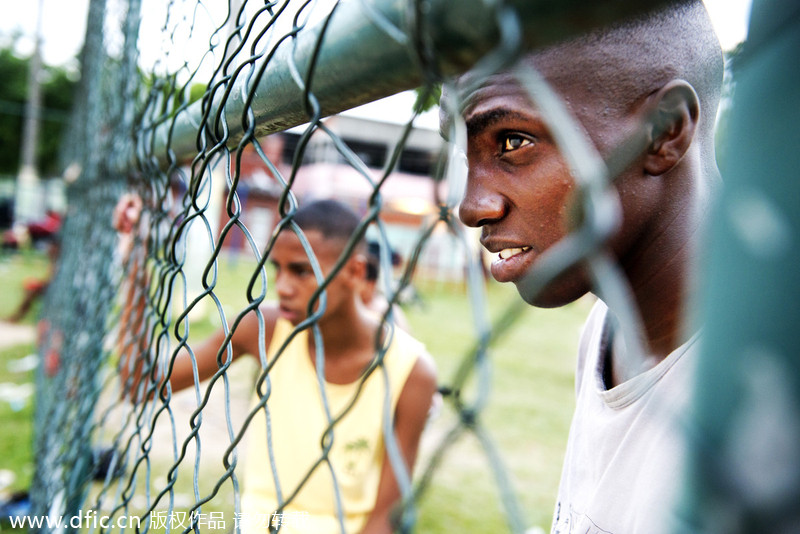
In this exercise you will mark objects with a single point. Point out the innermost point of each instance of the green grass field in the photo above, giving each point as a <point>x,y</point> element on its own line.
<point>16,414</point>
<point>527,415</point>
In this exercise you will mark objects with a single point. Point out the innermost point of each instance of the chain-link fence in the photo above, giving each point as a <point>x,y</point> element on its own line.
<point>216,132</point>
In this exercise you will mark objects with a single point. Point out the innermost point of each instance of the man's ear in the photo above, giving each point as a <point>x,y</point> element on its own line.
<point>356,267</point>
<point>672,126</point>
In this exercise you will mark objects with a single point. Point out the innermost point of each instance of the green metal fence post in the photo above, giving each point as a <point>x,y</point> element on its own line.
<point>745,470</point>
<point>363,60</point>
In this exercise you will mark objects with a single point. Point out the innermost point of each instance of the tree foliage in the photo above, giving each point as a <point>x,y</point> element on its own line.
<point>57,88</point>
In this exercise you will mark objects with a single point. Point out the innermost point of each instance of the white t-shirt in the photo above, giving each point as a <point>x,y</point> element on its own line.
<point>626,448</point>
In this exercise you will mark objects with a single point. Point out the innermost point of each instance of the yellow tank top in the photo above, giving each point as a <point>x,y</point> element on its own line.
<point>297,425</point>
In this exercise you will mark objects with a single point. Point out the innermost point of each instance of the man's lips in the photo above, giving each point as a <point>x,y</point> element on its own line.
<point>512,262</point>
<point>507,253</point>
<point>289,314</point>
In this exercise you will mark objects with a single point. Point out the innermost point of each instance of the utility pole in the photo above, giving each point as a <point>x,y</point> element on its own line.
<point>28,205</point>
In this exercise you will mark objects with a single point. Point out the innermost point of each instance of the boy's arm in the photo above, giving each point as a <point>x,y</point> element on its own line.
<point>133,344</point>
<point>411,415</point>
<point>244,340</point>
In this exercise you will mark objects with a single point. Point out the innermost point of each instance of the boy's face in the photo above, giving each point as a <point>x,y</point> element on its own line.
<point>519,186</point>
<point>295,281</point>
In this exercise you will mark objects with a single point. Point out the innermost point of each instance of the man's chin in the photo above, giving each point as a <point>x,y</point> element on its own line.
<point>559,292</point>
<point>542,299</point>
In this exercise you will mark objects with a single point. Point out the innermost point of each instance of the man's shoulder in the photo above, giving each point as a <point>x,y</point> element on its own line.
<point>257,323</point>
<point>420,380</point>
<point>407,346</point>
<point>409,353</point>
<point>424,368</point>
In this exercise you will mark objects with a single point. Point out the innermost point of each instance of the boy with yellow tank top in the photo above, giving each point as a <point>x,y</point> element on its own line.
<point>316,458</point>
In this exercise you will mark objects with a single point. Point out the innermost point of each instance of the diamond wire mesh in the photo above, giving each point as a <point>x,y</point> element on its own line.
<point>152,452</point>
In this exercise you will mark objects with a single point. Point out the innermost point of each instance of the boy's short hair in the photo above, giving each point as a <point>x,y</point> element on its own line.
<point>331,218</point>
<point>373,260</point>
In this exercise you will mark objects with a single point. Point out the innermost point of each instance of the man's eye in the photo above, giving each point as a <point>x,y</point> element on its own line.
<point>513,142</point>
<point>303,271</point>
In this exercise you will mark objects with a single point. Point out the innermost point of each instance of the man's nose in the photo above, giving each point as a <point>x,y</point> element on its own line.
<point>283,286</point>
<point>482,203</point>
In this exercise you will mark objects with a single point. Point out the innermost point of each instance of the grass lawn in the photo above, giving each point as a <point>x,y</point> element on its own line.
<point>527,415</point>
<point>15,268</point>
<point>16,407</point>
<point>16,418</point>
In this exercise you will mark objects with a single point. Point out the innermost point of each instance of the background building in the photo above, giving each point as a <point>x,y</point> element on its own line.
<point>409,195</point>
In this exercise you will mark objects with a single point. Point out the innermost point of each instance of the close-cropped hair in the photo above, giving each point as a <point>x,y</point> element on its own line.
<point>675,41</point>
<point>331,218</point>
<point>624,62</point>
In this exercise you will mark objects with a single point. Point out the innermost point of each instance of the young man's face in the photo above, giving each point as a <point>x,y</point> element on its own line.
<point>519,187</point>
<point>295,281</point>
